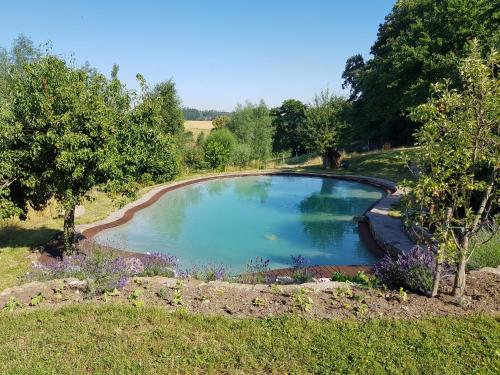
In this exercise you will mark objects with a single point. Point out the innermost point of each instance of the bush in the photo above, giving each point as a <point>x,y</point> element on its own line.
<point>242,155</point>
<point>300,269</point>
<point>218,148</point>
<point>105,270</point>
<point>413,270</point>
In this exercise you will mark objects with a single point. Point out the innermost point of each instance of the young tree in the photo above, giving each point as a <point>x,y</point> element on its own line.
<point>60,127</point>
<point>324,128</point>
<point>287,121</point>
<point>218,148</point>
<point>252,125</point>
<point>221,121</point>
<point>457,191</point>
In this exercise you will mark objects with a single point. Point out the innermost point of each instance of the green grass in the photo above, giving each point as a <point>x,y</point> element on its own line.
<point>382,164</point>
<point>487,254</point>
<point>85,339</point>
<point>13,264</point>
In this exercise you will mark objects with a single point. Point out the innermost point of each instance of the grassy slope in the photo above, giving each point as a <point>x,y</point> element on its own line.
<point>383,164</point>
<point>123,339</point>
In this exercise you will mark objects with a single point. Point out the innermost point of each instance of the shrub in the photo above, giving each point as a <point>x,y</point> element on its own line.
<point>208,272</point>
<point>218,148</point>
<point>300,270</point>
<point>413,270</point>
<point>242,155</point>
<point>158,264</point>
<point>256,271</point>
<point>105,270</point>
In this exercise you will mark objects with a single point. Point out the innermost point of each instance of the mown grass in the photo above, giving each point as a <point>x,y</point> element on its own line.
<point>381,164</point>
<point>114,339</point>
<point>486,254</point>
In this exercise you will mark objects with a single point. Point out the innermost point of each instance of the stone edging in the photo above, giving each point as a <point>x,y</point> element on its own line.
<point>387,231</point>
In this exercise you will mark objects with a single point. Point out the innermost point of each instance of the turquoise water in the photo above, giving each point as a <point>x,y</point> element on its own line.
<point>231,221</point>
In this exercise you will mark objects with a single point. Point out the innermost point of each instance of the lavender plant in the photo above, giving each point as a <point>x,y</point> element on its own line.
<point>105,270</point>
<point>301,272</point>
<point>256,271</point>
<point>413,270</point>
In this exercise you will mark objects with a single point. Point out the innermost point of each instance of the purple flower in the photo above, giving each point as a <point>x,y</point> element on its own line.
<point>298,261</point>
<point>413,270</point>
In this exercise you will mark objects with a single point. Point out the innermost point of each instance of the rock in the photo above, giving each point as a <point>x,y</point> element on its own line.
<point>76,284</point>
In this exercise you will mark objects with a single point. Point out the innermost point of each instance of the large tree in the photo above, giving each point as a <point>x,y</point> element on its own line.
<point>324,130</point>
<point>59,129</point>
<point>287,120</point>
<point>457,192</point>
<point>420,42</point>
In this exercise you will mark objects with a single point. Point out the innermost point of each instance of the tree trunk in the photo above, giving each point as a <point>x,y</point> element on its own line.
<point>440,256</point>
<point>69,231</point>
<point>331,159</point>
<point>459,287</point>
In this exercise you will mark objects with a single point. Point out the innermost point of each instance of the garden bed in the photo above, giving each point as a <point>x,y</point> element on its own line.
<point>318,300</point>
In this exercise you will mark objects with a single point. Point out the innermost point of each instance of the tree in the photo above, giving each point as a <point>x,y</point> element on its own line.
<point>324,128</point>
<point>221,121</point>
<point>172,119</point>
<point>218,148</point>
<point>252,125</point>
<point>59,130</point>
<point>287,121</point>
<point>459,156</point>
<point>420,42</point>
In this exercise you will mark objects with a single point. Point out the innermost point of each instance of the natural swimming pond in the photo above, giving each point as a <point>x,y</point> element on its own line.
<point>231,221</point>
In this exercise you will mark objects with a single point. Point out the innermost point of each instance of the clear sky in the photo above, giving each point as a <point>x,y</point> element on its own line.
<point>219,52</point>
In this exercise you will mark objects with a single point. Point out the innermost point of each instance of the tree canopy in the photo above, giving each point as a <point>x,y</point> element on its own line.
<point>420,42</point>
<point>324,128</point>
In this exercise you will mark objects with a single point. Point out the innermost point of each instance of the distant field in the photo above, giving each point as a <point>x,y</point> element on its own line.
<point>196,127</point>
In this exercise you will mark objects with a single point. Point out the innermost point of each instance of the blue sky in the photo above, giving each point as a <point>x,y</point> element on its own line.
<point>219,53</point>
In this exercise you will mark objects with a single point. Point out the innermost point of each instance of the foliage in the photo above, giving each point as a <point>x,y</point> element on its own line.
<point>65,130</point>
<point>218,148</point>
<point>325,127</point>
<point>420,42</point>
<point>207,272</point>
<point>459,159</point>
<point>171,117</point>
<point>301,272</point>
<point>360,278</point>
<point>256,271</point>
<point>301,300</point>
<point>242,155</point>
<point>287,120</point>
<point>413,270</point>
<point>221,121</point>
<point>104,270</point>
<point>252,125</point>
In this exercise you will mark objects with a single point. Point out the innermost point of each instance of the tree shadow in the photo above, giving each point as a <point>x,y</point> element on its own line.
<point>15,236</point>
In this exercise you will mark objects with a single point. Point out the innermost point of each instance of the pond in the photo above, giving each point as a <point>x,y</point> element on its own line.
<point>231,221</point>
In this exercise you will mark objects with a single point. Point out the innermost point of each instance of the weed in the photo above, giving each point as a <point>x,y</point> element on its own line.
<point>259,301</point>
<point>162,293</point>
<point>36,300</point>
<point>177,300</point>
<point>301,300</point>
<point>13,304</point>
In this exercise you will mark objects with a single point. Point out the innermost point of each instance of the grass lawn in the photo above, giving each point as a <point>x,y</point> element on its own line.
<point>382,164</point>
<point>123,339</point>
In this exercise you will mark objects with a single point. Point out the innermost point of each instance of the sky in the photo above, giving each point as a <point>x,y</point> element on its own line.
<point>219,53</point>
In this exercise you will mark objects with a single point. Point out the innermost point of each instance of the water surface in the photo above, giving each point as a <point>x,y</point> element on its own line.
<point>231,221</point>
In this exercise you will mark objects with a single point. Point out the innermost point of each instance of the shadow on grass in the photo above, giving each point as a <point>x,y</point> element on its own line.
<point>14,236</point>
